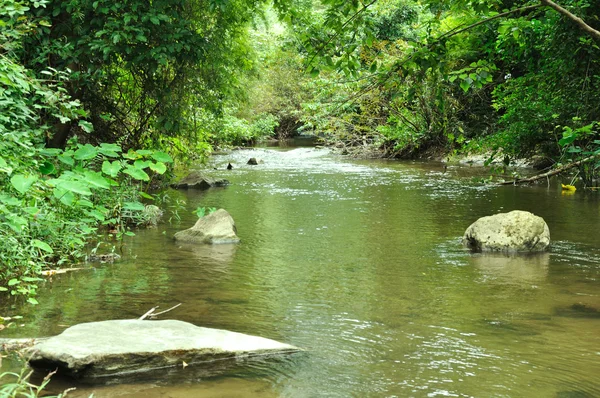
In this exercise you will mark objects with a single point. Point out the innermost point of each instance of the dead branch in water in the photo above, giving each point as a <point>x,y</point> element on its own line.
<point>548,174</point>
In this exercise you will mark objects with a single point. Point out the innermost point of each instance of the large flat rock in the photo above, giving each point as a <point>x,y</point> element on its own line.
<point>122,347</point>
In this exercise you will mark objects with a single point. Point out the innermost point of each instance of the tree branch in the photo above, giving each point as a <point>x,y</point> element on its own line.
<point>578,21</point>
<point>550,173</point>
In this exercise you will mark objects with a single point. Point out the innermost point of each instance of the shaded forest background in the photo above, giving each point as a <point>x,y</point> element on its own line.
<point>100,99</point>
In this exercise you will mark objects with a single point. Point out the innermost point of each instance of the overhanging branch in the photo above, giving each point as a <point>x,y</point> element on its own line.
<point>578,21</point>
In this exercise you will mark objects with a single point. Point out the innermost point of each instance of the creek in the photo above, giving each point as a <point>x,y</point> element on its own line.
<point>359,262</point>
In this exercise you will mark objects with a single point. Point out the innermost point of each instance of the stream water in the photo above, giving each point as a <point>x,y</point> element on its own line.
<point>359,263</point>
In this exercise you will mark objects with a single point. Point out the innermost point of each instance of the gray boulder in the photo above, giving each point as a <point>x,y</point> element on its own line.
<point>517,231</point>
<point>217,227</point>
<point>122,347</point>
<point>196,180</point>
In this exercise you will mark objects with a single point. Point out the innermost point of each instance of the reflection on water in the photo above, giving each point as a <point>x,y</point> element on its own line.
<point>513,269</point>
<point>360,263</point>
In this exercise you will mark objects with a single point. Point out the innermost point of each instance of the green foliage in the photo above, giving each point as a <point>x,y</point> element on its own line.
<point>18,385</point>
<point>582,143</point>
<point>231,130</point>
<point>397,78</point>
<point>202,211</point>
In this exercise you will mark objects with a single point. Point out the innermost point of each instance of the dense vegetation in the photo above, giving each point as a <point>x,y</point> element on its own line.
<point>98,98</point>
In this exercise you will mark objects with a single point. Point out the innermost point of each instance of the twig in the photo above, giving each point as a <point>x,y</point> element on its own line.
<point>151,314</point>
<point>162,312</point>
<point>147,313</point>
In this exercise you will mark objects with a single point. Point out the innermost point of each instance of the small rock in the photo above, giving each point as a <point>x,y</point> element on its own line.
<point>198,181</point>
<point>517,231</point>
<point>217,227</point>
<point>254,161</point>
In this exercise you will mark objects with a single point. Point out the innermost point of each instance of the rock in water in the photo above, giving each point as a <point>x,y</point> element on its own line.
<point>254,161</point>
<point>198,181</point>
<point>217,227</point>
<point>121,347</point>
<point>517,231</point>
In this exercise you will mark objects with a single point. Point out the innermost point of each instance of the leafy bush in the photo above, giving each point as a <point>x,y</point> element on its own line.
<point>53,200</point>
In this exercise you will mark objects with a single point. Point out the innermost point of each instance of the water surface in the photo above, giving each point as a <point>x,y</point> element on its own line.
<point>360,263</point>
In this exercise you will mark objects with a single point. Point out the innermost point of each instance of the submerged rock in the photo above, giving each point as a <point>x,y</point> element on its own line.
<point>217,227</point>
<point>517,231</point>
<point>196,180</point>
<point>103,258</point>
<point>121,347</point>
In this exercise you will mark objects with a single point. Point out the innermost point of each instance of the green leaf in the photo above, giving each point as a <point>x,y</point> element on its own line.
<point>47,168</point>
<point>110,150</point>
<point>75,187</point>
<point>15,222</point>
<point>96,180</point>
<point>567,139</point>
<point>146,196</point>
<point>136,173</point>
<point>98,215</point>
<point>86,126</point>
<point>162,157</point>
<point>465,85</point>
<point>66,159</point>
<point>112,169</point>
<point>22,183</point>
<point>158,167</point>
<point>136,206</point>
<point>31,279</point>
<point>3,163</point>
<point>50,151</point>
<point>33,301</point>
<point>10,200</point>
<point>373,67</point>
<point>141,164</point>
<point>13,282</point>
<point>66,197</point>
<point>3,289</point>
<point>42,245</point>
<point>86,152</point>
<point>132,155</point>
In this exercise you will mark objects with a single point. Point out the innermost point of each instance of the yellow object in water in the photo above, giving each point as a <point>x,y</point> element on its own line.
<point>568,188</point>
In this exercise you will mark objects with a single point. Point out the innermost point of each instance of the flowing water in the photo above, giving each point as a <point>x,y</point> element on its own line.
<point>359,263</point>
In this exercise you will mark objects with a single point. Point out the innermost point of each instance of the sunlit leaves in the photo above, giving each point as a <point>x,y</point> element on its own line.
<point>161,157</point>
<point>111,168</point>
<point>22,182</point>
<point>42,246</point>
<point>136,173</point>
